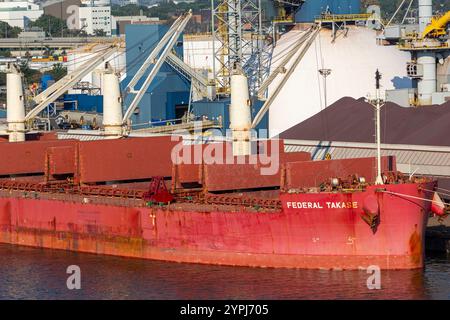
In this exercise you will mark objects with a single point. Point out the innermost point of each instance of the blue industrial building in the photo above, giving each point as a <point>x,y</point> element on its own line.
<point>215,109</point>
<point>167,97</point>
<point>83,102</point>
<point>313,8</point>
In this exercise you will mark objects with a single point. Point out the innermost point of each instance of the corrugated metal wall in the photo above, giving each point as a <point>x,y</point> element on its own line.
<point>313,8</point>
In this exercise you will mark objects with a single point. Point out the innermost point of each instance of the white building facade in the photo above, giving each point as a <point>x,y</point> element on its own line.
<point>19,13</point>
<point>124,2</point>
<point>96,3</point>
<point>90,19</point>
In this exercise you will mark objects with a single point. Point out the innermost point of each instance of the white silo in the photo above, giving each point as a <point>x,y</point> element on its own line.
<point>425,13</point>
<point>426,85</point>
<point>426,59</point>
<point>352,60</point>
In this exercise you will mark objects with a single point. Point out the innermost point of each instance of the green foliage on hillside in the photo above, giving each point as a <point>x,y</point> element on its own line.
<point>164,10</point>
<point>6,31</point>
<point>55,27</point>
<point>50,24</point>
<point>58,71</point>
<point>388,7</point>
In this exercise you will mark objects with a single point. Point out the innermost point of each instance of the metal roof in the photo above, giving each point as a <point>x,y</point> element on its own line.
<point>352,120</point>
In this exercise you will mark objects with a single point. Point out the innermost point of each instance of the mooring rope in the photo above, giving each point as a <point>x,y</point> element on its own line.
<point>412,197</point>
<point>443,189</point>
<point>443,193</point>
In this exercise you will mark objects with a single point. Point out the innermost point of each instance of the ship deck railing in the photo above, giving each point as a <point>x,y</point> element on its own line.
<point>330,18</point>
<point>418,46</point>
<point>189,126</point>
<point>283,19</point>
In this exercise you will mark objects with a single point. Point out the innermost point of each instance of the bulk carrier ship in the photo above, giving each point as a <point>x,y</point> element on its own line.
<point>228,207</point>
<point>236,201</point>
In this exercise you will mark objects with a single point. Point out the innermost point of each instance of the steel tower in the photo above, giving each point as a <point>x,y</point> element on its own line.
<point>238,39</point>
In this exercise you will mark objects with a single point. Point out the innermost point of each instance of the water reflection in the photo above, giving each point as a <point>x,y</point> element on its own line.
<point>27,273</point>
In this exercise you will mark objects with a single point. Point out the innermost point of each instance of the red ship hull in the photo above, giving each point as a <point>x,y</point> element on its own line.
<point>312,230</point>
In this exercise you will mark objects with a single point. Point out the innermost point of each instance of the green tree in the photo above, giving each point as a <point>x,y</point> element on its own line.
<point>128,10</point>
<point>52,26</point>
<point>2,79</point>
<point>6,31</point>
<point>388,7</point>
<point>99,33</point>
<point>29,75</point>
<point>58,71</point>
<point>5,53</point>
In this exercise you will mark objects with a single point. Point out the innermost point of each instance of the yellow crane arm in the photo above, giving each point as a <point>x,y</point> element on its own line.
<point>437,26</point>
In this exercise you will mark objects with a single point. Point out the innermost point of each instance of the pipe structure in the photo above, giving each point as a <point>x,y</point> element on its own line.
<point>426,86</point>
<point>425,14</point>
<point>112,104</point>
<point>15,112</point>
<point>240,115</point>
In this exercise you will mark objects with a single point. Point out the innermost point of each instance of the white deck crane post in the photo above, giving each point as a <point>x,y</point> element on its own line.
<point>112,104</point>
<point>15,112</point>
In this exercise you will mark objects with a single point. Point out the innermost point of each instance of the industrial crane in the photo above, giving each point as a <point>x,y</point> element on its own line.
<point>300,50</point>
<point>17,117</point>
<point>53,92</point>
<point>281,68</point>
<point>436,28</point>
<point>166,44</point>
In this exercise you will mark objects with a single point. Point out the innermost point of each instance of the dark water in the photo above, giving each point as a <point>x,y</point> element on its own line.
<point>28,273</point>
